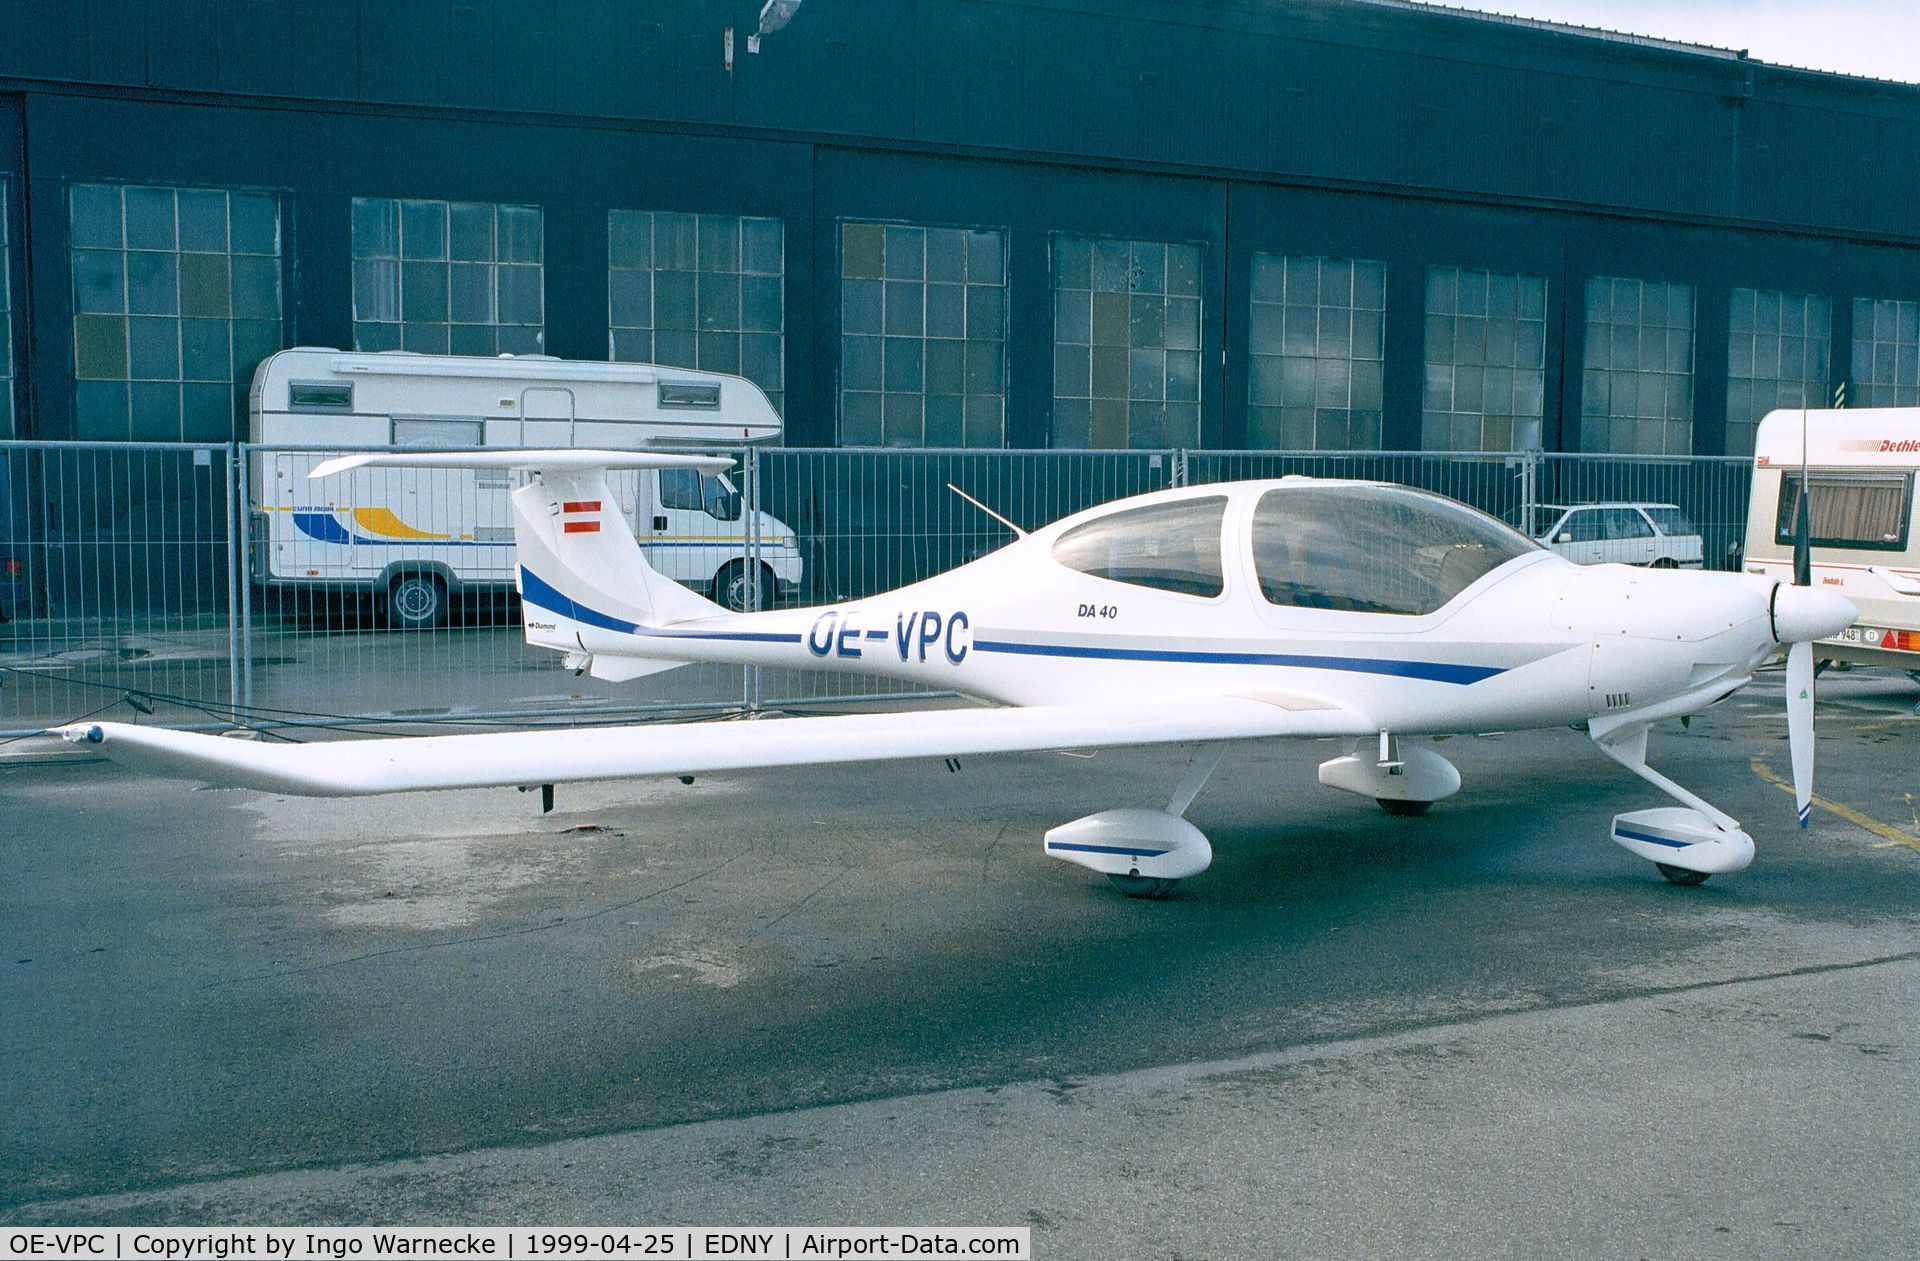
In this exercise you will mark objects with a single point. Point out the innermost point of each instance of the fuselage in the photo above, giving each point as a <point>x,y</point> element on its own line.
<point>1534,641</point>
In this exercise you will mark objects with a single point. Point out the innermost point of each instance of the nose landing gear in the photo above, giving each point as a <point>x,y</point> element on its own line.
<point>1685,843</point>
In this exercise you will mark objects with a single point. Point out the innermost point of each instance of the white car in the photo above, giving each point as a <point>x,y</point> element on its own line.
<point>1658,535</point>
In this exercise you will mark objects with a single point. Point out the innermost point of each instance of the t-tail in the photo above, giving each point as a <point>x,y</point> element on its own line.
<point>585,588</point>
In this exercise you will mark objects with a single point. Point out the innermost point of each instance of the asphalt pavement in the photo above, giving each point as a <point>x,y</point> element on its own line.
<point>864,995</point>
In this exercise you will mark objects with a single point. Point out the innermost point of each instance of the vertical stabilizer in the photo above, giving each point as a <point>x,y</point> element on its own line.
<point>580,569</point>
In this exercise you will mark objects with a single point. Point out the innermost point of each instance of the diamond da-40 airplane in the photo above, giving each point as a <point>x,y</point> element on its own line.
<point>1193,618</point>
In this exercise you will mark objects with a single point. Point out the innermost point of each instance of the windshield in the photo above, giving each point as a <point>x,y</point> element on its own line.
<point>1374,549</point>
<point>1672,521</point>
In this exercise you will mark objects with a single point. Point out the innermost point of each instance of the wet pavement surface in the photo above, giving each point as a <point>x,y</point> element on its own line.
<point>864,994</point>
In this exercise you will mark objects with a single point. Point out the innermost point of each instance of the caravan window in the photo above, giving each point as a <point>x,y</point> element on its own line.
<point>1863,510</point>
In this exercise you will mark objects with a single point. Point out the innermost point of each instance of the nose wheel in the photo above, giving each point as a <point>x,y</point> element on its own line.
<point>1681,876</point>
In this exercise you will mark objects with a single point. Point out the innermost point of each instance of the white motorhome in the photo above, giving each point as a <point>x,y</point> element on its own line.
<point>416,538</point>
<point>1861,463</point>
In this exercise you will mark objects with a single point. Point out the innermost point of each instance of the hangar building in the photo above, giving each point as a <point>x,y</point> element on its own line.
<point>1045,223</point>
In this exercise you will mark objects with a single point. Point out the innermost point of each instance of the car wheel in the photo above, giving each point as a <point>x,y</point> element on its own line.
<point>1666,562</point>
<point>417,602</point>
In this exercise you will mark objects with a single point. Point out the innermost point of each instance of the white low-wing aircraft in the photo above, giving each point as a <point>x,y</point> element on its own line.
<point>1190,617</point>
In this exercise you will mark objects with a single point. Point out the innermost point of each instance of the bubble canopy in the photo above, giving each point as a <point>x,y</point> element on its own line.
<point>1347,547</point>
<point>1374,549</point>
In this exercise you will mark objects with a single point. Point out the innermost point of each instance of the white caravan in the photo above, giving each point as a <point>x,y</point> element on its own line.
<point>417,538</point>
<point>1864,544</point>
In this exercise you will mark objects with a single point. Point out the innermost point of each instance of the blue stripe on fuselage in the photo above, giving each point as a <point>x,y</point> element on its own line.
<point>1435,671</point>
<point>540,593</point>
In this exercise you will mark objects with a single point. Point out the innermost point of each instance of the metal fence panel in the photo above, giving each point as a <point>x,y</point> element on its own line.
<point>387,593</point>
<point>210,582</point>
<point>115,582</point>
<point>1711,490</point>
<point>870,520</point>
<point>1495,483</point>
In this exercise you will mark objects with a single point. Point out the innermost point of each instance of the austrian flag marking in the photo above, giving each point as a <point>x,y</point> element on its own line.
<point>575,509</point>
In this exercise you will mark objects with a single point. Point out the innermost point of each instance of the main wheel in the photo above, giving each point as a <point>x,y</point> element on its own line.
<point>733,586</point>
<point>1682,876</point>
<point>1403,809</point>
<point>1154,887</point>
<point>417,601</point>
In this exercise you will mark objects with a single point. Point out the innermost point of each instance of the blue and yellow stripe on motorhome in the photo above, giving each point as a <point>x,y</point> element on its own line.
<point>381,527</point>
<point>376,526</point>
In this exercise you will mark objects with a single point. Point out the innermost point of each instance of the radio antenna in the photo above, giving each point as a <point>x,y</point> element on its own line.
<point>990,512</point>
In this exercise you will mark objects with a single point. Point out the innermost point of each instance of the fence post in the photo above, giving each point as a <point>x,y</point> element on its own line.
<point>1177,467</point>
<point>232,487</point>
<point>242,539</point>
<point>1529,490</point>
<point>750,509</point>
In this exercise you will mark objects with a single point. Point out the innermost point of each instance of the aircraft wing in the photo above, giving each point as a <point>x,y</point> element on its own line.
<point>348,768</point>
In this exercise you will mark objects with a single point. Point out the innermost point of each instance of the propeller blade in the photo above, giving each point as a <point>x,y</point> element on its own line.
<point>1800,725</point>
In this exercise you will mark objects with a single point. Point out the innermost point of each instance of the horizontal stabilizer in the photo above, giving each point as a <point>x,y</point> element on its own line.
<point>567,459</point>
<point>347,768</point>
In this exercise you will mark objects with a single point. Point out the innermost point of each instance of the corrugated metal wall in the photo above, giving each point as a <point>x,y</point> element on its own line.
<point>1327,90</point>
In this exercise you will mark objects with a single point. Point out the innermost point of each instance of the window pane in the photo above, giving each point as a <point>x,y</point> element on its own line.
<point>472,282</point>
<point>1316,320</point>
<point>1766,371</point>
<point>1485,364</point>
<point>1886,354</point>
<point>198,275</point>
<point>1638,394</point>
<point>940,369</point>
<point>719,275</point>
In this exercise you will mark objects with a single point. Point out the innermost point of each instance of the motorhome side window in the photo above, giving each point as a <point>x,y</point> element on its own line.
<point>1170,547</point>
<point>1862,510</point>
<point>319,396</point>
<point>698,395</point>
<point>435,431</point>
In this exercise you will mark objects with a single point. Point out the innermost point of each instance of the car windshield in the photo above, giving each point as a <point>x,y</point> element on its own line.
<point>1672,521</point>
<point>1374,549</point>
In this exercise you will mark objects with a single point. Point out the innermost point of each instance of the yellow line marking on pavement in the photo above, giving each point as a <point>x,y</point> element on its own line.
<point>1893,835</point>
